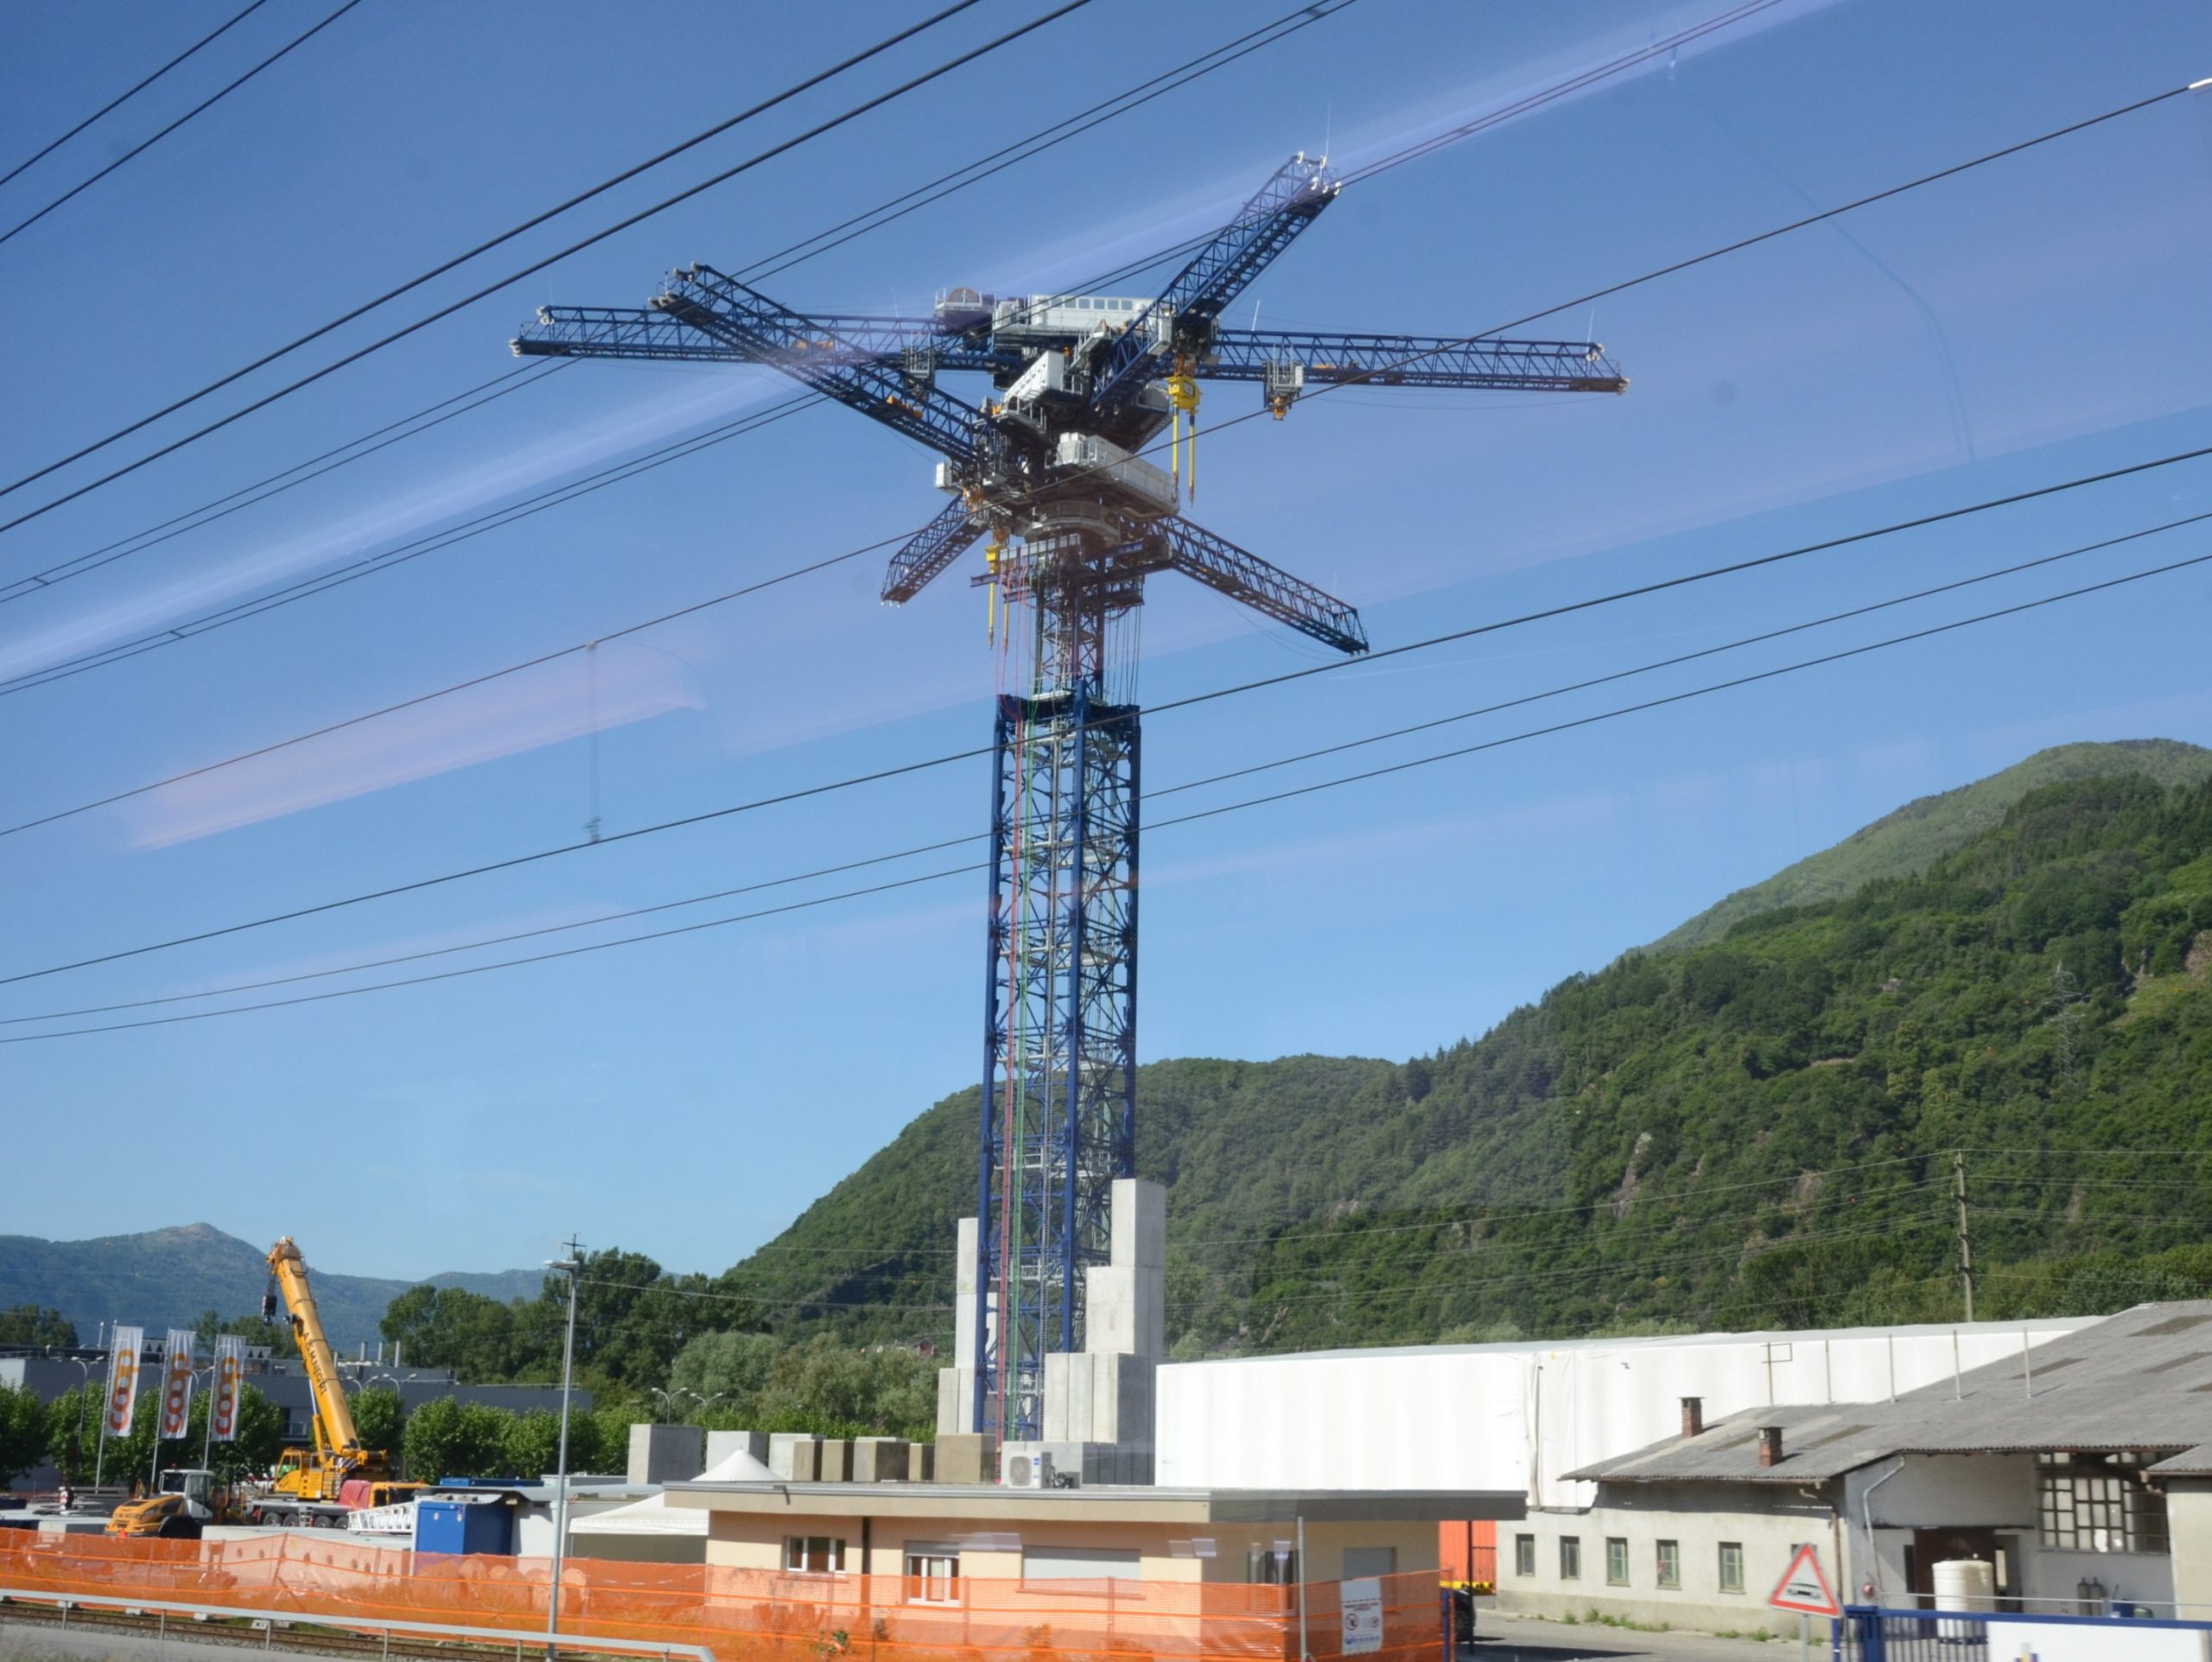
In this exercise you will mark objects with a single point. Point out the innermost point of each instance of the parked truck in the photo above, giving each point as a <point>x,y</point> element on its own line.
<point>326,1483</point>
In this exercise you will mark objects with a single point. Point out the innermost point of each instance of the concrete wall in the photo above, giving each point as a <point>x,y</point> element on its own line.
<point>2188,1521</point>
<point>1519,1416</point>
<point>1770,1526</point>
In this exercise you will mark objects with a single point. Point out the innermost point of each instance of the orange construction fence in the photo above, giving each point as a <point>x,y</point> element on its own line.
<point>754,1615</point>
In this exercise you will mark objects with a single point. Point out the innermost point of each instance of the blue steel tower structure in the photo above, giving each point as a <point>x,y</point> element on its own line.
<point>1051,468</point>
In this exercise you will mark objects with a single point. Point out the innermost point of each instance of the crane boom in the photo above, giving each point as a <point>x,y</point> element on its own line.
<point>290,1267</point>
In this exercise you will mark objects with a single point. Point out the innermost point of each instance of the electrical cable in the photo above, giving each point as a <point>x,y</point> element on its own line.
<point>1037,142</point>
<point>402,554</point>
<point>489,244</point>
<point>1198,242</point>
<point>850,114</point>
<point>968,869</point>
<point>901,769</point>
<point>499,386</point>
<point>122,97</point>
<point>939,846</point>
<point>1684,657</point>
<point>146,144</point>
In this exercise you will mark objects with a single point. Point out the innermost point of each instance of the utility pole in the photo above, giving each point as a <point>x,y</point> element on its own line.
<point>574,1265</point>
<point>1966,1236</point>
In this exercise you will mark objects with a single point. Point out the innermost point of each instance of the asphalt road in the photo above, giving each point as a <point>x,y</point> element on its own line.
<point>1525,1639</point>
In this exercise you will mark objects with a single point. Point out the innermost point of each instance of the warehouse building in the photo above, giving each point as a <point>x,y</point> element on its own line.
<point>2079,1470</point>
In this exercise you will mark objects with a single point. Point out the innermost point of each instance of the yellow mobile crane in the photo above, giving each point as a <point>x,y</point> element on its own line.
<point>323,1484</point>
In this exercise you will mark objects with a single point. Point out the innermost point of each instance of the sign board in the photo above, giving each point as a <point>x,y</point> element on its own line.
<point>176,1384</point>
<point>223,1406</point>
<point>2093,1641</point>
<point>1361,1601</point>
<point>1804,1588</point>
<point>122,1378</point>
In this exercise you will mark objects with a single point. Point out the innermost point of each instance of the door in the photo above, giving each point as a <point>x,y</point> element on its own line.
<point>1932,1546</point>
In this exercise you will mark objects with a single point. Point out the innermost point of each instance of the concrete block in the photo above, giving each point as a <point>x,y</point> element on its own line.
<point>1052,1414</point>
<point>964,1282</point>
<point>967,1457</point>
<point>795,1456</point>
<point>836,1461</point>
<point>955,1399</point>
<point>879,1459</point>
<point>1139,1225</point>
<point>666,1454</point>
<point>921,1463</point>
<point>720,1445</point>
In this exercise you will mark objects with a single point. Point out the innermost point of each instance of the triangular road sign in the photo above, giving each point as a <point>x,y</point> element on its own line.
<point>1804,1588</point>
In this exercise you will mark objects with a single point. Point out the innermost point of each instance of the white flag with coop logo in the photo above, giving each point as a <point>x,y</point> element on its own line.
<point>230,1370</point>
<point>176,1384</point>
<point>122,1378</point>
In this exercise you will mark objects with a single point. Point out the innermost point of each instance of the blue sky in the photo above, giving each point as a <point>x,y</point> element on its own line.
<point>2036,320</point>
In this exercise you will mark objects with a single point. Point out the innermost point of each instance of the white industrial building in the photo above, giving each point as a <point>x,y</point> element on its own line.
<point>1522,1415</point>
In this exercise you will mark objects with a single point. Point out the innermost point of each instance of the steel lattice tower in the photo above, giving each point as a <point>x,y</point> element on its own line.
<point>1052,470</point>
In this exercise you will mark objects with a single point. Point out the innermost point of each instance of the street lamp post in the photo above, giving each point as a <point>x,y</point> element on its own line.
<point>574,1265</point>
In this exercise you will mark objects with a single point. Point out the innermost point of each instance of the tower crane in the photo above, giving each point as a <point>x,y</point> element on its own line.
<point>1050,468</point>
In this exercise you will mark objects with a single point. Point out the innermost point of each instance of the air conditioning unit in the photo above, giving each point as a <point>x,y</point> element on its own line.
<point>1030,1468</point>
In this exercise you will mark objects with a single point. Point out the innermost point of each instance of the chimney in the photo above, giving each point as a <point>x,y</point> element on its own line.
<point>1692,1416</point>
<point>1770,1446</point>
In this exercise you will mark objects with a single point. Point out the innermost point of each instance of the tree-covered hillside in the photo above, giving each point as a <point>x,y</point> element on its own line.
<point>1753,1130</point>
<point>1911,840</point>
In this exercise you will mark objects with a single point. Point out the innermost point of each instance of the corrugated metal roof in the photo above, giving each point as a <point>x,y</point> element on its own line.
<point>2140,1379</point>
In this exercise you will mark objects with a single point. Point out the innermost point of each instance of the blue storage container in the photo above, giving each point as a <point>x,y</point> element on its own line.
<point>464,1523</point>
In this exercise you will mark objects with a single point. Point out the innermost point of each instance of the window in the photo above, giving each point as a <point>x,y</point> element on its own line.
<point>1524,1555</point>
<point>1670,1564</point>
<point>1361,1562</point>
<point>1732,1566</point>
<point>932,1574</point>
<point>2089,1503</point>
<point>1271,1563</point>
<point>1617,1561</point>
<point>1570,1557</point>
<point>1058,1565</point>
<point>814,1555</point>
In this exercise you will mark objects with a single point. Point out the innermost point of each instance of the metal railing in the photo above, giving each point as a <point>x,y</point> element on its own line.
<point>1867,1634</point>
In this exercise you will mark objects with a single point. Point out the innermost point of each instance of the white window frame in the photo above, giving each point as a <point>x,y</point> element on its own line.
<point>946,1576</point>
<point>801,1547</point>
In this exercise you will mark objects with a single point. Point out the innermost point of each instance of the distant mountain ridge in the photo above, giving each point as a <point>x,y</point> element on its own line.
<point>1908,841</point>
<point>169,1278</point>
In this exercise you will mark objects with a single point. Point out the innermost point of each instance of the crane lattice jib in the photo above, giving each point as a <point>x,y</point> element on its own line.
<point>929,551</point>
<point>1219,564</point>
<point>1183,317</point>
<point>625,332</point>
<point>1413,360</point>
<point>805,349</point>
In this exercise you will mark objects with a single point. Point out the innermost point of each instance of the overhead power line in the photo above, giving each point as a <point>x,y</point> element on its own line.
<point>1035,144</point>
<point>490,243</point>
<point>902,769</point>
<point>235,614</point>
<point>972,867</point>
<point>1189,785</point>
<point>143,145</point>
<point>1945,172</point>
<point>401,554</point>
<point>124,98</point>
<point>275,484</point>
<point>852,113</point>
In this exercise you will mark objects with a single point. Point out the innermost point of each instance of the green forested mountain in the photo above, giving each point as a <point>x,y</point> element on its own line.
<point>1751,1127</point>
<point>1908,840</point>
